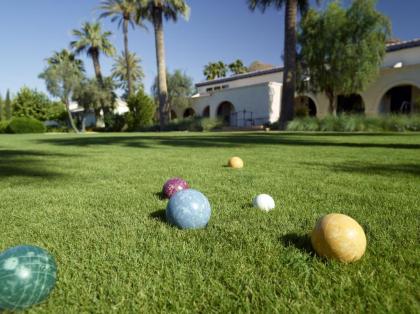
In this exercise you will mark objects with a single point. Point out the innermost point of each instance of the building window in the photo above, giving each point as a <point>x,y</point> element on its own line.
<point>217,88</point>
<point>209,89</point>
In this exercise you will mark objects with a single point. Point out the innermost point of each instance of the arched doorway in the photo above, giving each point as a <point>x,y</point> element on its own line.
<point>224,112</point>
<point>351,104</point>
<point>189,112</point>
<point>305,106</point>
<point>174,116</point>
<point>401,99</point>
<point>206,112</point>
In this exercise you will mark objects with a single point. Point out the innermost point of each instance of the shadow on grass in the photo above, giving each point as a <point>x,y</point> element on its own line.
<point>22,163</point>
<point>299,241</point>
<point>369,168</point>
<point>160,195</point>
<point>159,215</point>
<point>229,140</point>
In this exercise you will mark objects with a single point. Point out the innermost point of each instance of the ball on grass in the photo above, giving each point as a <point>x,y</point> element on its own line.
<point>339,237</point>
<point>174,185</point>
<point>188,209</point>
<point>27,276</point>
<point>236,163</point>
<point>264,202</point>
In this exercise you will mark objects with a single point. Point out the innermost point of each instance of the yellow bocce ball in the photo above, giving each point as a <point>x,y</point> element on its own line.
<point>339,237</point>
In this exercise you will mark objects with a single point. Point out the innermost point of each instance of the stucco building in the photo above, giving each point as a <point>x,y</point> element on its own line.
<point>254,98</point>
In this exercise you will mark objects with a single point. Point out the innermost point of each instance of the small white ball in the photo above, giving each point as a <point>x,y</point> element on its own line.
<point>264,202</point>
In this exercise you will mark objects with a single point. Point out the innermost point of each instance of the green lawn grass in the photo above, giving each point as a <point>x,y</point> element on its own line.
<point>93,202</point>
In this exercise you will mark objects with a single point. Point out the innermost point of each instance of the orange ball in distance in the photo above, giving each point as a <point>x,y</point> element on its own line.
<point>235,162</point>
<point>339,237</point>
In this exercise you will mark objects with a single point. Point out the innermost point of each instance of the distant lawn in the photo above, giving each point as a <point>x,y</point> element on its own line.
<point>93,201</point>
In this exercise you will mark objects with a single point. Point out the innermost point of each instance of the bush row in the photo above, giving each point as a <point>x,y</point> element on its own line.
<point>357,123</point>
<point>193,124</point>
<point>22,125</point>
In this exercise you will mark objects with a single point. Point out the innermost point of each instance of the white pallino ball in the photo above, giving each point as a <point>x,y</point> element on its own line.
<point>264,202</point>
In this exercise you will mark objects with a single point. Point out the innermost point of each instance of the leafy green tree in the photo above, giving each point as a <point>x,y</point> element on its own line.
<point>215,70</point>
<point>120,72</point>
<point>8,106</point>
<point>92,96</point>
<point>155,11</point>
<point>62,76</point>
<point>94,42</point>
<point>142,110</point>
<point>124,12</point>
<point>180,89</point>
<point>238,67</point>
<point>259,66</point>
<point>31,104</point>
<point>289,75</point>
<point>1,108</point>
<point>342,49</point>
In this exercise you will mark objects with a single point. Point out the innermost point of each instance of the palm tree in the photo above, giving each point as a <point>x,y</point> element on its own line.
<point>131,74</point>
<point>155,11</point>
<point>65,56</point>
<point>215,70</point>
<point>238,67</point>
<point>290,39</point>
<point>93,41</point>
<point>124,11</point>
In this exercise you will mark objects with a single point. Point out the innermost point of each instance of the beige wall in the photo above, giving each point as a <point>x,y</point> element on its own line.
<point>263,100</point>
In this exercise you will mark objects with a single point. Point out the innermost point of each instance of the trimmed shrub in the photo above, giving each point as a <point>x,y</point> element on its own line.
<point>3,126</point>
<point>209,124</point>
<point>25,125</point>
<point>142,110</point>
<point>115,122</point>
<point>304,124</point>
<point>194,124</point>
<point>357,123</point>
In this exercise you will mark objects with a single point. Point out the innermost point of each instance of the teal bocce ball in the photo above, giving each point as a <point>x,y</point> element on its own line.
<point>188,209</point>
<point>27,276</point>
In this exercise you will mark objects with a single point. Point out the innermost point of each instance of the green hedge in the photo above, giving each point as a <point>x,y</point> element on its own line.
<point>357,123</point>
<point>193,124</point>
<point>25,125</point>
<point>3,126</point>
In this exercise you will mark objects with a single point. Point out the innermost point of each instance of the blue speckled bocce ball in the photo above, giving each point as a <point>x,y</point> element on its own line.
<point>27,276</point>
<point>188,209</point>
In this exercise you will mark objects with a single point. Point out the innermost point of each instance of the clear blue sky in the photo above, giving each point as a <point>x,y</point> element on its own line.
<point>30,30</point>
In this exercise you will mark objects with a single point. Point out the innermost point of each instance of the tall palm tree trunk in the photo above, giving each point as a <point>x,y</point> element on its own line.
<point>127,58</point>
<point>289,74</point>
<point>98,74</point>
<point>161,67</point>
<point>97,67</point>
<point>69,116</point>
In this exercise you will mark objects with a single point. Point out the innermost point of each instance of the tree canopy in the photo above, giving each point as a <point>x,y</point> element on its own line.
<point>214,70</point>
<point>62,76</point>
<point>91,95</point>
<point>342,49</point>
<point>32,104</point>
<point>180,89</point>
<point>120,72</point>
<point>237,67</point>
